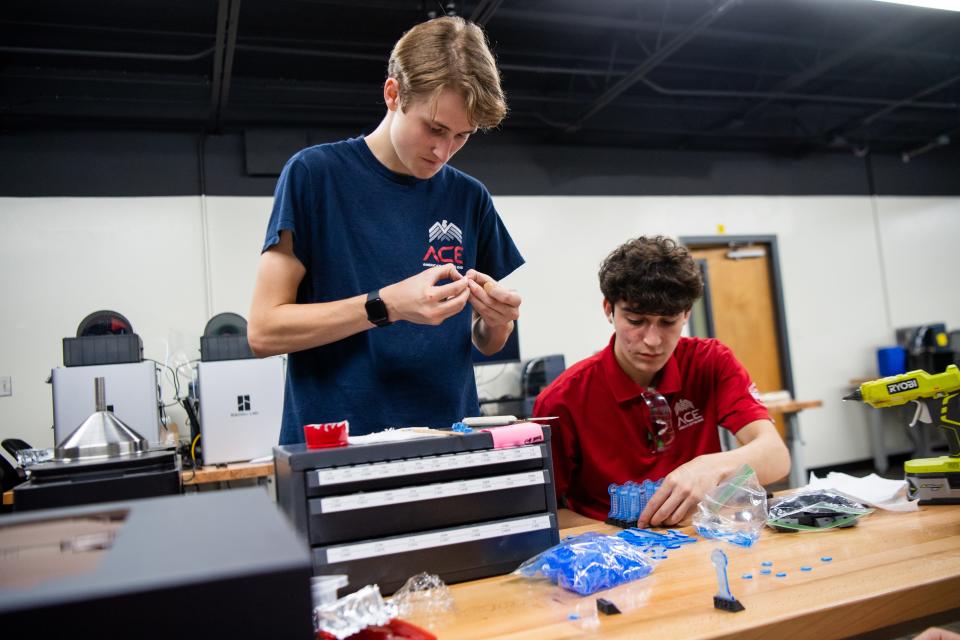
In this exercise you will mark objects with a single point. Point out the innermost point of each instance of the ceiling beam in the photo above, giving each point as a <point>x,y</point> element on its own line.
<point>123,55</point>
<point>814,71</point>
<point>228,16</point>
<point>582,21</point>
<point>484,11</point>
<point>840,132</point>
<point>652,63</point>
<point>941,140</point>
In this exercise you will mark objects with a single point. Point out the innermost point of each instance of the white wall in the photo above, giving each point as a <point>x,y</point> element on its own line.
<point>63,258</point>
<point>831,270</point>
<point>168,264</point>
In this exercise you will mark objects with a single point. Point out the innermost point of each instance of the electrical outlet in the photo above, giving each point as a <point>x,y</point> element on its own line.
<point>6,386</point>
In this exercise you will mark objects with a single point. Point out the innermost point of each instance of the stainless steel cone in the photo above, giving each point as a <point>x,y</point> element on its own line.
<point>102,435</point>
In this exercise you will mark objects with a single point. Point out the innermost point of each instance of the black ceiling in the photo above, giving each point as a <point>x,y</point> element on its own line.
<point>777,75</point>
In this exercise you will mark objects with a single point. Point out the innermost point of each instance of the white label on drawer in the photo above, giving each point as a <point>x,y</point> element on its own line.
<point>339,475</point>
<point>437,539</point>
<point>430,491</point>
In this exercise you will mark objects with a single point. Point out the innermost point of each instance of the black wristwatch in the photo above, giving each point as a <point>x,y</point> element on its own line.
<point>376,309</point>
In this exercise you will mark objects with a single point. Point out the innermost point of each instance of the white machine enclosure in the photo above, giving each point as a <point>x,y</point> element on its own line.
<point>241,407</point>
<point>131,392</point>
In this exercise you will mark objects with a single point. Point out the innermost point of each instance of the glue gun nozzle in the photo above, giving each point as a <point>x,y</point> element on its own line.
<point>856,395</point>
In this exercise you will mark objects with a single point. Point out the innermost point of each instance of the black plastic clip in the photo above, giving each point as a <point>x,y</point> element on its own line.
<point>727,605</point>
<point>607,607</point>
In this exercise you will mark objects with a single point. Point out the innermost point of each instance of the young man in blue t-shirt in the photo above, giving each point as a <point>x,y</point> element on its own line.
<point>375,246</point>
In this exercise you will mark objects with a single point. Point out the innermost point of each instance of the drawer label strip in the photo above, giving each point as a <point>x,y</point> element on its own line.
<point>431,491</point>
<point>402,544</point>
<point>426,464</point>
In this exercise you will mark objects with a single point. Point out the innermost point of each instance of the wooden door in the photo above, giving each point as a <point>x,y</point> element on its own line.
<point>743,312</point>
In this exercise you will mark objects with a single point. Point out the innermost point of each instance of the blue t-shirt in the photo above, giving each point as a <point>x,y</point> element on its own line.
<point>357,226</point>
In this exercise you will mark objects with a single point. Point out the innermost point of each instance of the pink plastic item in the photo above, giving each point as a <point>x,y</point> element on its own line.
<point>515,435</point>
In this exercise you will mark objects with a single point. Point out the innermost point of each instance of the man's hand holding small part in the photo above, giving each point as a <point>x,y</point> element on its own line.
<point>497,305</point>
<point>419,299</point>
<point>682,490</point>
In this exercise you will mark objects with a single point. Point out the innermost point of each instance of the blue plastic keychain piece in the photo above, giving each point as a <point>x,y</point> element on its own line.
<point>627,502</point>
<point>724,600</point>
<point>614,504</point>
<point>634,503</point>
<point>624,502</point>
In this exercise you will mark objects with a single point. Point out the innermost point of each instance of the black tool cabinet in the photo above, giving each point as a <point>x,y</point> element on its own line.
<point>450,505</point>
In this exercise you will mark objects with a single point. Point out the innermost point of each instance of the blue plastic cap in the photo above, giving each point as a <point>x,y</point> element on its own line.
<point>891,361</point>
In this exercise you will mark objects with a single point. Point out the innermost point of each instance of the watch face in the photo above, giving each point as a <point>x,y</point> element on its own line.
<point>377,311</point>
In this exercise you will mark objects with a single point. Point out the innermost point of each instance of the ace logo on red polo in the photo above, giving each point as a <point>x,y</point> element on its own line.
<point>687,414</point>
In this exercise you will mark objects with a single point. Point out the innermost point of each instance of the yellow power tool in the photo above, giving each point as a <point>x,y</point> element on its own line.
<point>931,480</point>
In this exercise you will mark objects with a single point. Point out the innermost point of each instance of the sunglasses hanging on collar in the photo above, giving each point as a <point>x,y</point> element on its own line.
<point>660,430</point>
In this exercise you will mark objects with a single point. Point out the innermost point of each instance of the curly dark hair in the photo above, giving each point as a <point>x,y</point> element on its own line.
<point>653,275</point>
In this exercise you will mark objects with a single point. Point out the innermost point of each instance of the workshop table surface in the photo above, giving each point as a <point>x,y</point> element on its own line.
<point>228,472</point>
<point>889,569</point>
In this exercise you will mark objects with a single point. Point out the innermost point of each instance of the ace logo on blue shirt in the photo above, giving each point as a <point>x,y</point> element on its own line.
<point>444,232</point>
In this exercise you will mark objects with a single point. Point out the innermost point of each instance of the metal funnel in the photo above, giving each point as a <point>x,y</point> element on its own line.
<point>102,435</point>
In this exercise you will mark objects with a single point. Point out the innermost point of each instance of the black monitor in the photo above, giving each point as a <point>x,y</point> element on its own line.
<point>509,353</point>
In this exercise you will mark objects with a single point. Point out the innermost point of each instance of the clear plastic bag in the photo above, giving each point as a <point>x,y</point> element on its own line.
<point>815,510</point>
<point>735,510</point>
<point>353,613</point>
<point>423,594</point>
<point>588,563</point>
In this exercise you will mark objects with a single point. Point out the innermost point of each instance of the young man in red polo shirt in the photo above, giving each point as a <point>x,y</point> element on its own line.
<point>603,432</point>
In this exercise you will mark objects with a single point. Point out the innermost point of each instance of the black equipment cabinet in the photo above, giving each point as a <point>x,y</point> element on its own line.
<point>220,564</point>
<point>62,484</point>
<point>451,505</point>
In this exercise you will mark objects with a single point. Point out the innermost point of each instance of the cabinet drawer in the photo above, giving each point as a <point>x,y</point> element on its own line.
<point>404,510</point>
<point>456,554</point>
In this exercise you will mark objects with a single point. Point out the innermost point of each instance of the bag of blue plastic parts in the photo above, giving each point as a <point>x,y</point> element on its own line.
<point>735,511</point>
<point>588,563</point>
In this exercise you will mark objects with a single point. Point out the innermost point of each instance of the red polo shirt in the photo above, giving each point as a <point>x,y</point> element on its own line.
<point>599,436</point>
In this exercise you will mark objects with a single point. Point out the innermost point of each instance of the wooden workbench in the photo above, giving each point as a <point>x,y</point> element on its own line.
<point>889,569</point>
<point>790,409</point>
<point>792,406</point>
<point>226,473</point>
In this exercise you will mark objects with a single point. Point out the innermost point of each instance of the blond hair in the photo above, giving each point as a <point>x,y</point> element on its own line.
<point>449,53</point>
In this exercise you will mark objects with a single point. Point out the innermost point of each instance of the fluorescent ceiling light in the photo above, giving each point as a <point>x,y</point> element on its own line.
<point>947,5</point>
